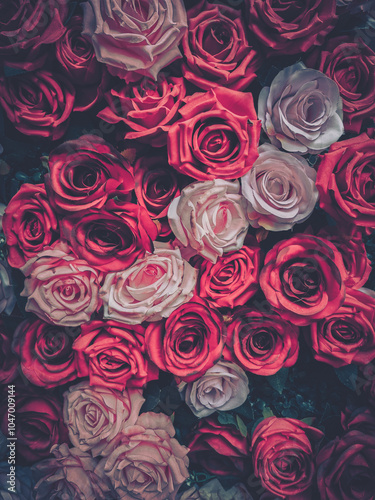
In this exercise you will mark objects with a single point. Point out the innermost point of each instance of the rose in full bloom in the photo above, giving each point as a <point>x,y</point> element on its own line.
<point>217,136</point>
<point>146,107</point>
<point>351,64</point>
<point>345,181</point>
<point>209,218</point>
<point>290,27</point>
<point>223,387</point>
<point>7,296</point>
<point>303,279</point>
<point>214,490</point>
<point>83,173</point>
<point>135,37</point>
<point>216,49</point>
<point>96,415</point>
<point>8,362</point>
<point>345,468</point>
<point>147,462</point>
<point>283,453</point>
<point>189,342</point>
<point>113,355</point>
<point>260,342</point>
<point>29,224</point>
<point>280,189</point>
<point>45,352</point>
<point>71,474</point>
<point>301,111</point>
<point>38,103</point>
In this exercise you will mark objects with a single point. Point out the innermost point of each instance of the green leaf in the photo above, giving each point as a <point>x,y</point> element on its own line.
<point>278,380</point>
<point>308,420</point>
<point>267,412</point>
<point>226,418</point>
<point>348,376</point>
<point>241,426</point>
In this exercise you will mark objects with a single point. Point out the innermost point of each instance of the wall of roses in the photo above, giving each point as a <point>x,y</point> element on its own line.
<point>187,249</point>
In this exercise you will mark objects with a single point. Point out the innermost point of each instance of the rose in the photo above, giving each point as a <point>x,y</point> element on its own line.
<point>146,107</point>
<point>38,103</point>
<point>8,362</point>
<point>347,336</point>
<point>290,27</point>
<point>301,111</point>
<point>344,181</point>
<point>135,38</point>
<point>209,218</point>
<point>146,461</point>
<point>112,238</point>
<point>61,289</point>
<point>345,467</point>
<point>84,172</point>
<point>214,490</point>
<point>303,279</point>
<point>261,342</point>
<point>45,352</point>
<point>7,296</point>
<point>358,419</point>
<point>216,50</point>
<point>350,63</point>
<point>280,189</point>
<point>234,279</point>
<point>223,387</point>
<point>189,342</point>
<point>112,355</point>
<point>283,452</point>
<point>71,473</point>
<point>96,415</point>
<point>29,224</point>
<point>217,136</point>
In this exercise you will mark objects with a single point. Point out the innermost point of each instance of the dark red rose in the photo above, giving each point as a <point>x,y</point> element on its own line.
<point>38,103</point>
<point>29,224</point>
<point>348,335</point>
<point>217,136</point>
<point>303,279</point>
<point>283,452</point>
<point>221,449</point>
<point>8,362</point>
<point>260,342</point>
<point>147,107</point>
<point>216,50</point>
<point>358,419</point>
<point>346,181</point>
<point>351,64</point>
<point>112,354</point>
<point>45,351</point>
<point>345,468</point>
<point>290,26</point>
<point>189,342</point>
<point>84,172</point>
<point>112,238</point>
<point>27,27</point>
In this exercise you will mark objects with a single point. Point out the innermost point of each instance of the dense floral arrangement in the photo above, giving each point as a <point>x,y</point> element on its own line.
<point>187,248</point>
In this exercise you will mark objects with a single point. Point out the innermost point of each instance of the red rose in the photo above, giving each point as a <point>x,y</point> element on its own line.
<point>84,172</point>
<point>303,279</point>
<point>358,419</point>
<point>112,354</point>
<point>29,224</point>
<point>217,136</point>
<point>216,50</point>
<point>345,181</point>
<point>260,342</point>
<point>8,362</point>
<point>351,64</point>
<point>189,342</point>
<point>290,27</point>
<point>45,352</point>
<point>38,103</point>
<point>283,451</point>
<point>147,107</point>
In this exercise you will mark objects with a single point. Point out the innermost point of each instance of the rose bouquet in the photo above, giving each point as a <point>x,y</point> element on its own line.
<point>187,241</point>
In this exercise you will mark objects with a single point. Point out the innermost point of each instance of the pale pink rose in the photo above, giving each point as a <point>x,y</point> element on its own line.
<point>223,387</point>
<point>280,189</point>
<point>301,111</point>
<point>151,289</point>
<point>213,490</point>
<point>209,218</point>
<point>60,288</point>
<point>95,415</point>
<point>146,462</point>
<point>71,474</point>
<point>135,36</point>
<point>7,297</point>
